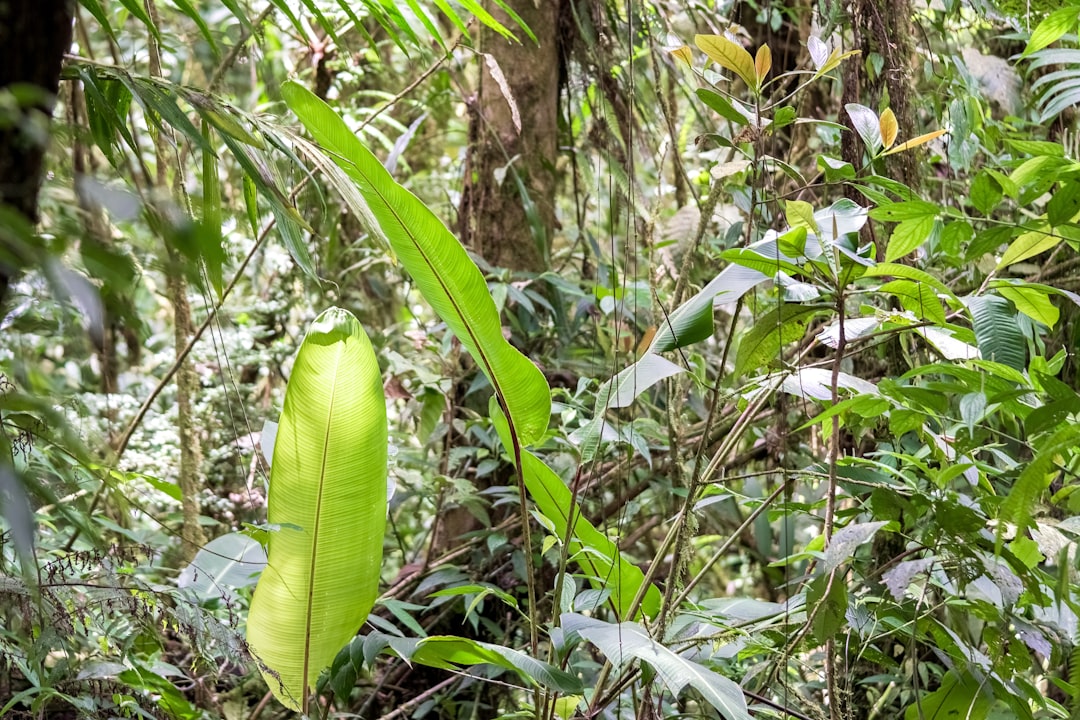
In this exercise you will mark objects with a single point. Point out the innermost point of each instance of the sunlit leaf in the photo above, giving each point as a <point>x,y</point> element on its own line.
<point>730,56</point>
<point>1027,246</point>
<point>328,481</point>
<point>762,63</point>
<point>440,266</point>
<point>684,54</point>
<point>915,142</point>
<point>888,127</point>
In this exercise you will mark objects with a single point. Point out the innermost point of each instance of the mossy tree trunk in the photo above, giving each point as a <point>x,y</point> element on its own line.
<point>510,151</point>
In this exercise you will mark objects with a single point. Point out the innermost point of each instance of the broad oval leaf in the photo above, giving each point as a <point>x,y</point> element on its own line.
<point>438,263</point>
<point>328,492</point>
<point>865,122</point>
<point>731,56</point>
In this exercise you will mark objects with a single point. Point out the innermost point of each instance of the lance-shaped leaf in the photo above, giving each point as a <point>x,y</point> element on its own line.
<point>630,641</point>
<point>442,270</point>
<point>328,496</point>
<point>591,549</point>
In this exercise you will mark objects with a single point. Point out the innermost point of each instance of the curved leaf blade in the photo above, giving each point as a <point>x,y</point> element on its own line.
<point>438,263</point>
<point>594,551</point>
<point>996,332</point>
<point>629,640</point>
<point>328,481</point>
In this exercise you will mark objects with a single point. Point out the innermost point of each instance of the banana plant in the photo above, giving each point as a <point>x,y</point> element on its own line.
<point>327,501</point>
<point>438,263</point>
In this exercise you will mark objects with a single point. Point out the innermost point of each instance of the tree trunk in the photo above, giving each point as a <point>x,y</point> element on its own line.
<point>33,39</point>
<point>505,227</point>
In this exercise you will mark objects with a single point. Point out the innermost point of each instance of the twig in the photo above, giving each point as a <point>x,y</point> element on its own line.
<point>234,52</point>
<point>411,86</point>
<point>405,707</point>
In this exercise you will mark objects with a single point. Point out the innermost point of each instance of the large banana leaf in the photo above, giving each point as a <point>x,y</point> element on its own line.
<point>328,498</point>
<point>442,270</point>
<point>594,552</point>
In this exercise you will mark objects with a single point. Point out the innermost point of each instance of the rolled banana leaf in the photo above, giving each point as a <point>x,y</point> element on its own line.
<point>328,500</point>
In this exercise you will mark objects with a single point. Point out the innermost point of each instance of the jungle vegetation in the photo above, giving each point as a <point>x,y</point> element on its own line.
<point>539,359</point>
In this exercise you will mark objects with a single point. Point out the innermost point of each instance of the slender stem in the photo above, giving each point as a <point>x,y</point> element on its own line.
<point>835,705</point>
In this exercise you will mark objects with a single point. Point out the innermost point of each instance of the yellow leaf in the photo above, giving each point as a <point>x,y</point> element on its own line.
<point>915,142</point>
<point>730,56</point>
<point>683,53</point>
<point>762,63</point>
<point>889,128</point>
<point>835,58</point>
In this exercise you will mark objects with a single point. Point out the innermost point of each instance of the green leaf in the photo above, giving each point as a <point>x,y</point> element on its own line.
<point>906,271</point>
<point>909,235</point>
<point>1037,169</point>
<point>769,334</point>
<point>730,56</point>
<point>598,556</point>
<point>1027,246</point>
<point>996,332</point>
<point>722,105</point>
<point>919,298</point>
<point>985,193</point>
<point>442,270</point>
<point>1032,301</point>
<point>251,204</point>
<point>629,640</point>
<point>328,479</point>
<point>960,696</point>
<point>835,170</point>
<point>213,253</point>
<point>763,264</point>
<point>1064,204</point>
<point>692,321</point>
<point>1051,29</point>
<point>488,19</point>
<point>450,652</point>
<point>829,609</point>
<point>289,223</point>
<point>447,651</point>
<point>910,210</point>
<point>800,214</point>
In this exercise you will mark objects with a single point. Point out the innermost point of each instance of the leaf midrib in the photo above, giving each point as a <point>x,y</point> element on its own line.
<point>316,528</point>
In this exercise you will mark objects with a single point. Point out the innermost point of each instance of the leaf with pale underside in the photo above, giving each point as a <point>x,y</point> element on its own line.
<point>328,496</point>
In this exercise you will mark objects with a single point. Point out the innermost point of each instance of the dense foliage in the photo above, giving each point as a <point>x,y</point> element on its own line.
<point>727,354</point>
